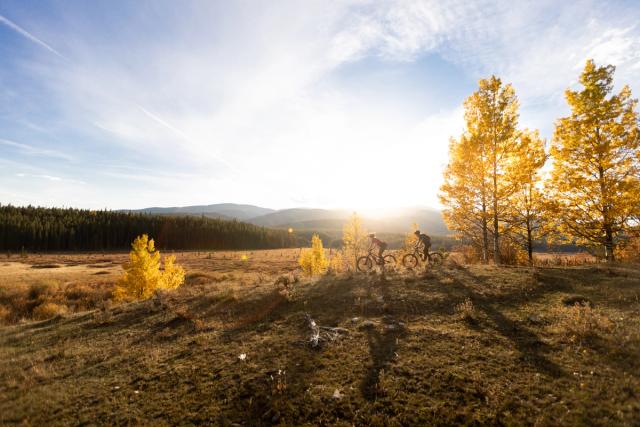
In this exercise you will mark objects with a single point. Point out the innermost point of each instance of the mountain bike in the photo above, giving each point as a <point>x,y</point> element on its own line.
<point>411,260</point>
<point>366,263</point>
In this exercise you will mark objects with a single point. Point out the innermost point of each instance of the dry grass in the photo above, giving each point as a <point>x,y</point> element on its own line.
<point>582,323</point>
<point>404,360</point>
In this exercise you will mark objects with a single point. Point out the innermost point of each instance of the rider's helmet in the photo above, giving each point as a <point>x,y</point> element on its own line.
<point>372,234</point>
<point>417,232</point>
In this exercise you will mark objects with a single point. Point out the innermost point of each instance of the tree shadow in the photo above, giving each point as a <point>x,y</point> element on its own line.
<point>382,348</point>
<point>525,340</point>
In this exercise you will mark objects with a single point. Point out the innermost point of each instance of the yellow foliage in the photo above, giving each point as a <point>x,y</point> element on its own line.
<point>410,239</point>
<point>337,263</point>
<point>595,181</point>
<point>142,275</point>
<point>312,261</point>
<point>354,240</point>
<point>476,181</point>
<point>173,275</point>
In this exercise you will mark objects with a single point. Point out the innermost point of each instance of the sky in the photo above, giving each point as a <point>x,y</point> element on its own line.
<point>330,104</point>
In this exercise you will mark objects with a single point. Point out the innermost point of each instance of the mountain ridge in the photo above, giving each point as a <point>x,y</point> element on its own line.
<point>398,221</point>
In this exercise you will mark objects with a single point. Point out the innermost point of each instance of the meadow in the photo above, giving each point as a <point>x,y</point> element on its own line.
<point>461,344</point>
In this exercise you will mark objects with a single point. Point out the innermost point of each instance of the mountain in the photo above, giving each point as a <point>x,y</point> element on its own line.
<point>292,217</point>
<point>310,219</point>
<point>220,210</point>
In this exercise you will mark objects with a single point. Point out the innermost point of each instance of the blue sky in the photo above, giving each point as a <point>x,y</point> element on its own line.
<point>128,104</point>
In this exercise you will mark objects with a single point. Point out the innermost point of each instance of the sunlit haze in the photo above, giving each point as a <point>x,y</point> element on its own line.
<point>129,104</point>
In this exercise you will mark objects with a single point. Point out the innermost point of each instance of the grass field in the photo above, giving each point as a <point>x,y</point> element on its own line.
<point>461,344</point>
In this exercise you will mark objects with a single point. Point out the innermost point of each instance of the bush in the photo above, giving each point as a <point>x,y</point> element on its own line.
<point>466,310</point>
<point>471,254</point>
<point>630,252</point>
<point>312,261</point>
<point>512,254</point>
<point>337,263</point>
<point>580,322</point>
<point>5,314</point>
<point>48,310</point>
<point>142,275</point>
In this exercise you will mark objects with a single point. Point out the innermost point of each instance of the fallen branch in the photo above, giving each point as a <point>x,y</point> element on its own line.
<point>322,334</point>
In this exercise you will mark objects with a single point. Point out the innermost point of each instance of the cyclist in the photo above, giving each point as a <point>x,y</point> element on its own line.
<point>375,242</point>
<point>425,241</point>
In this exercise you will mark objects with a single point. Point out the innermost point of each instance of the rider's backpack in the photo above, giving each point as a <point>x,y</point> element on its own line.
<point>426,240</point>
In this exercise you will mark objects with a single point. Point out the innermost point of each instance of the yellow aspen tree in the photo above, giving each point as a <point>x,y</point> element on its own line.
<point>595,177</point>
<point>313,261</point>
<point>142,275</point>
<point>465,193</point>
<point>477,183</point>
<point>525,217</point>
<point>491,114</point>
<point>354,240</point>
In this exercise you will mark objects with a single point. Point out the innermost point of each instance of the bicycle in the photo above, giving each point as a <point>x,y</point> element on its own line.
<point>411,260</point>
<point>365,263</point>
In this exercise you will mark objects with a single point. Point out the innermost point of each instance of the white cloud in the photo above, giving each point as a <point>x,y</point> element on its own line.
<point>35,151</point>
<point>244,107</point>
<point>28,35</point>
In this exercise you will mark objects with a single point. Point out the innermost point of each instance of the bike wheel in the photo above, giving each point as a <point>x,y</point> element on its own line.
<point>435,259</point>
<point>410,261</point>
<point>389,261</point>
<point>364,264</point>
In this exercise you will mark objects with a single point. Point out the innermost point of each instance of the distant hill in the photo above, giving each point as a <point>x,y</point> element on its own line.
<point>326,220</point>
<point>220,210</point>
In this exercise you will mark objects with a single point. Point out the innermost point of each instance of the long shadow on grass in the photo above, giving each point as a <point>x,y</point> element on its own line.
<point>525,340</point>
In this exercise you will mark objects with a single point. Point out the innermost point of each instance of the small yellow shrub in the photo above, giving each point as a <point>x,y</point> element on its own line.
<point>312,261</point>
<point>48,310</point>
<point>337,263</point>
<point>142,275</point>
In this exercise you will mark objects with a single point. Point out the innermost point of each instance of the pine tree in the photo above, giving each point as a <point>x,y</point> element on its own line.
<point>595,179</point>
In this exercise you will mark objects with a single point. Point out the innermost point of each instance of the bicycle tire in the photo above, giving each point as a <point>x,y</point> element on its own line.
<point>410,261</point>
<point>364,264</point>
<point>435,259</point>
<point>389,260</point>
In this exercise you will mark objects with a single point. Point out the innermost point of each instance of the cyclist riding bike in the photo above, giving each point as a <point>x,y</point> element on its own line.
<point>377,243</point>
<point>425,242</point>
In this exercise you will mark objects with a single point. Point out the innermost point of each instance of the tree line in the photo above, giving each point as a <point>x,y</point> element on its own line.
<point>53,229</point>
<point>503,185</point>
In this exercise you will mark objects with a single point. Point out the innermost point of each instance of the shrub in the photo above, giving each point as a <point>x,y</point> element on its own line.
<point>512,254</point>
<point>581,322</point>
<point>337,263</point>
<point>471,254</point>
<point>465,310</point>
<point>48,310</point>
<point>312,261</point>
<point>142,275</point>
<point>630,252</point>
<point>5,314</point>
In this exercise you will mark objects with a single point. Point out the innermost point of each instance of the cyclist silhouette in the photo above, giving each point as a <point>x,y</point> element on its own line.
<point>375,242</point>
<point>425,241</point>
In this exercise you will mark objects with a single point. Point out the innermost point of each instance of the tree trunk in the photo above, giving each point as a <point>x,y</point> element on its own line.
<point>608,245</point>
<point>529,243</point>
<point>485,237</point>
<point>496,232</point>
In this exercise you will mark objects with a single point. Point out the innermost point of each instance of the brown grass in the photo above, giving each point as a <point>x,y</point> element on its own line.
<point>403,360</point>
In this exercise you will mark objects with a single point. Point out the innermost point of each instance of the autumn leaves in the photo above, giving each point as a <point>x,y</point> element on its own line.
<point>495,188</point>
